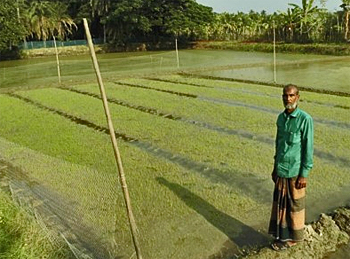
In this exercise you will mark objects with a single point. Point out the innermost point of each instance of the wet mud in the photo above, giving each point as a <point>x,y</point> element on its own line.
<point>321,239</point>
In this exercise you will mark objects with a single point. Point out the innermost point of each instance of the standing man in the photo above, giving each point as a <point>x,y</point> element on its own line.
<point>293,162</point>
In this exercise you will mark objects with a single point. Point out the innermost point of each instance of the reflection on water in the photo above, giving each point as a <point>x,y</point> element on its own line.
<point>322,74</point>
<point>319,71</point>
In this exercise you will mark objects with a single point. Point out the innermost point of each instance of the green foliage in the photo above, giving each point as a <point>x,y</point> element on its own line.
<point>181,17</point>
<point>139,20</point>
<point>323,49</point>
<point>11,31</point>
<point>44,19</point>
<point>155,23</point>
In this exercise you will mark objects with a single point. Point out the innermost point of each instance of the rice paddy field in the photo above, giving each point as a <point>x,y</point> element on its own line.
<point>197,144</point>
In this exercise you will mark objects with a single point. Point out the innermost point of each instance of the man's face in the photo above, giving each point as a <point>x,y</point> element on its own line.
<point>290,98</point>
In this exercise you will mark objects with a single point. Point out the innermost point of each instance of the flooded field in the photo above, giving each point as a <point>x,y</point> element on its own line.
<point>330,74</point>
<point>316,71</point>
<point>198,152</point>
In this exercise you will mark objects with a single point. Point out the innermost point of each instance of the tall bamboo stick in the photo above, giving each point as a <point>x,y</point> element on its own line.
<point>57,61</point>
<point>177,54</point>
<point>117,156</point>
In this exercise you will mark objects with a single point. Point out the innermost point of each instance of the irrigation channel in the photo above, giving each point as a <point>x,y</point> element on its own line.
<point>190,135</point>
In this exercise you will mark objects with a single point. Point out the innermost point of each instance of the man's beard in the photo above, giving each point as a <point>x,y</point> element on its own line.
<point>291,106</point>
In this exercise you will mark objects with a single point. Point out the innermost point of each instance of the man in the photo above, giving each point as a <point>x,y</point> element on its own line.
<point>293,162</point>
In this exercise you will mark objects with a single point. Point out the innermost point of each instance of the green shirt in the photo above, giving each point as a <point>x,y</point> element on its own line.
<point>294,144</point>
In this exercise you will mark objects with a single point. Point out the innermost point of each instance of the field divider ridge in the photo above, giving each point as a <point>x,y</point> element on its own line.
<point>247,81</point>
<point>158,90</point>
<point>236,132</point>
<point>342,125</point>
<point>228,89</point>
<point>233,179</point>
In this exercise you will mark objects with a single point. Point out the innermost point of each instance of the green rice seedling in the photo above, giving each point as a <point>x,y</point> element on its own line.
<point>198,169</point>
<point>22,237</point>
<point>180,139</point>
<point>88,183</point>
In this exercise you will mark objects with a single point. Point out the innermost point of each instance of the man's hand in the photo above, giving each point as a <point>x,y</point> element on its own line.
<point>301,182</point>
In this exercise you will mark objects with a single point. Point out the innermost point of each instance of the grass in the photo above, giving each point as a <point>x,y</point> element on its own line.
<point>199,179</point>
<point>22,238</point>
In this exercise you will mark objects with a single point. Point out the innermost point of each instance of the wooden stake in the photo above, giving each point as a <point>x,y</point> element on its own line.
<point>177,54</point>
<point>117,156</point>
<point>57,61</point>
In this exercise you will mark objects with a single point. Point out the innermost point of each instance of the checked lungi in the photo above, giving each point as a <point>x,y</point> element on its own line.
<point>288,211</point>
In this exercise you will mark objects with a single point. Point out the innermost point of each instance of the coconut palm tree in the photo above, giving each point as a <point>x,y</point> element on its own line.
<point>36,18</point>
<point>346,7</point>
<point>45,19</point>
<point>62,24</point>
<point>289,23</point>
<point>225,26</point>
<point>307,14</point>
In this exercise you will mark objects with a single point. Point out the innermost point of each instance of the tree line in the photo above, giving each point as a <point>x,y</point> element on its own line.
<point>121,22</point>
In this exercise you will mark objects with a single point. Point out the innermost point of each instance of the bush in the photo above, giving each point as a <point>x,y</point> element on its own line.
<point>324,49</point>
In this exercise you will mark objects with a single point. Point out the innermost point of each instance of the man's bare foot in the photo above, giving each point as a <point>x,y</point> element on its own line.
<point>280,246</point>
<point>291,243</point>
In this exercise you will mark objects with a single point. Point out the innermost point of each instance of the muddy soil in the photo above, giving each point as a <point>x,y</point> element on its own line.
<point>322,238</point>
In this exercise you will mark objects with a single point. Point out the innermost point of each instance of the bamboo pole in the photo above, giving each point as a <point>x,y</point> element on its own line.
<point>117,155</point>
<point>177,54</point>
<point>57,61</point>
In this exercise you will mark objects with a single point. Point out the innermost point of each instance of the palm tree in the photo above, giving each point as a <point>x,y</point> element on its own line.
<point>45,19</point>
<point>346,7</point>
<point>62,24</point>
<point>36,18</point>
<point>307,14</point>
<point>289,20</point>
<point>225,26</point>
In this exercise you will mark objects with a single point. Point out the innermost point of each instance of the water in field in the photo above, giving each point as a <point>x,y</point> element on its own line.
<point>317,71</point>
<point>331,74</point>
<point>199,203</point>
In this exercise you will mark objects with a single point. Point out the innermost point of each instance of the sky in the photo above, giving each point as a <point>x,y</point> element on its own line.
<point>270,6</point>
